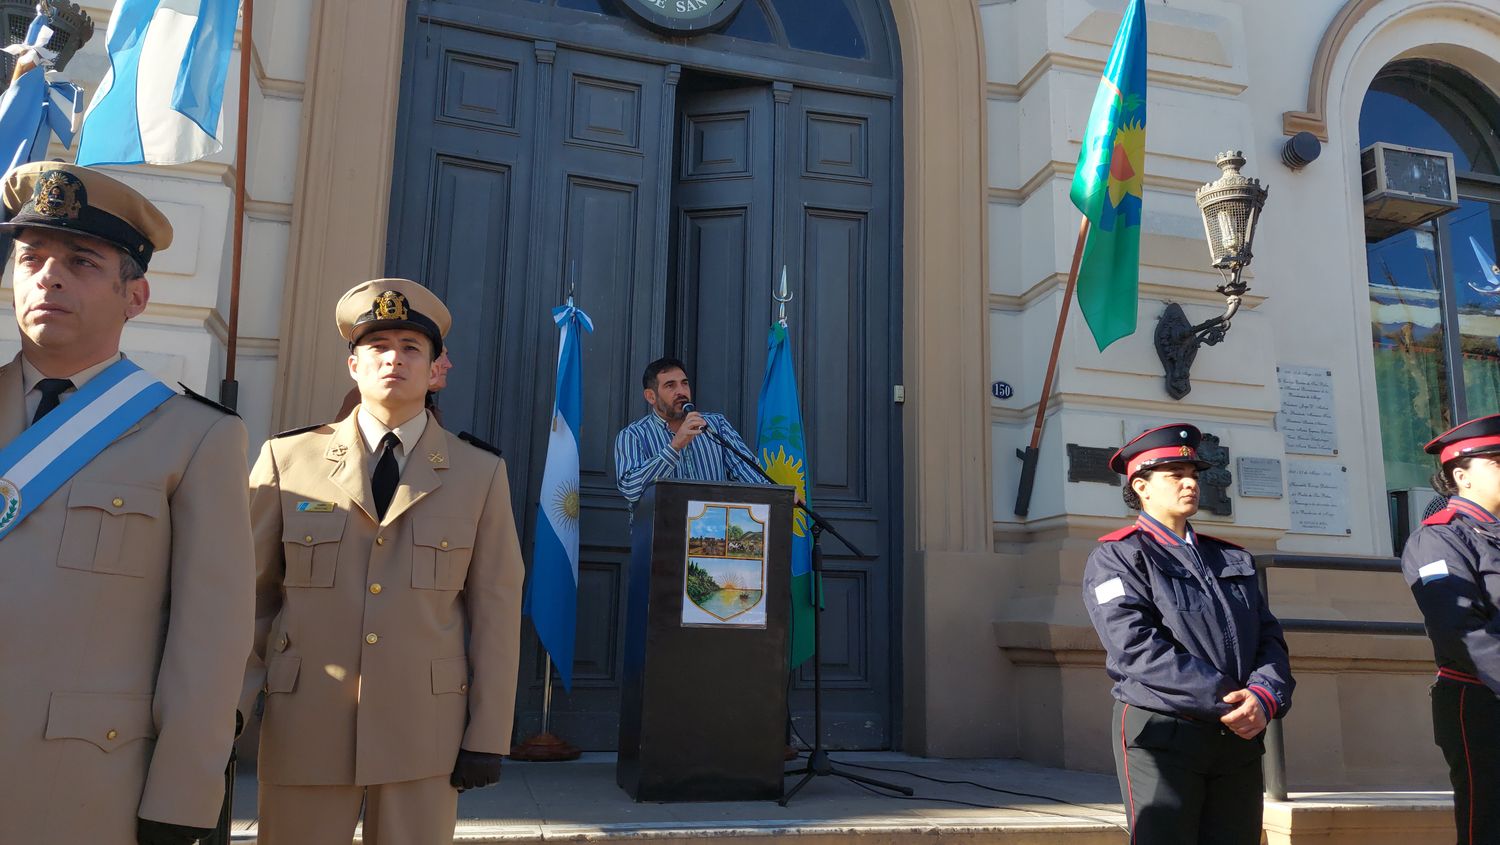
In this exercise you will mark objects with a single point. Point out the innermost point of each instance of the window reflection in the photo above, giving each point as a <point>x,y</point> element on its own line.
<point>1432,106</point>
<point>750,23</point>
<point>1473,228</point>
<point>1435,290</point>
<point>825,26</point>
<point>1410,370</point>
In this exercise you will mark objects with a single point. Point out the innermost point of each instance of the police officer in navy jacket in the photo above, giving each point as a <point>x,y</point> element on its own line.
<point>1199,663</point>
<point>1452,564</point>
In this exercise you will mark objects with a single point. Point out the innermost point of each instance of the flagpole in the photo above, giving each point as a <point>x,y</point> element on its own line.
<point>1029,455</point>
<point>547,695</point>
<point>229,389</point>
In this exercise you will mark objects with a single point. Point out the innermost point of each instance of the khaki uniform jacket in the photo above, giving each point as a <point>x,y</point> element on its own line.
<point>125,611</point>
<point>360,625</point>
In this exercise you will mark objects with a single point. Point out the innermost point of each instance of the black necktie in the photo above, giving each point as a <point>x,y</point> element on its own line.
<point>387,474</point>
<point>52,391</point>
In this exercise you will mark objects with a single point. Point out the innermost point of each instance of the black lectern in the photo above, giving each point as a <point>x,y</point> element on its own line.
<point>703,711</point>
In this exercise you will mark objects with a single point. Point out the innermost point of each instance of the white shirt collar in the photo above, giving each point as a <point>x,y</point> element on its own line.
<point>373,431</point>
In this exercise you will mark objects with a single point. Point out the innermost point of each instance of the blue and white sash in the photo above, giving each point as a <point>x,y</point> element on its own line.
<point>46,455</point>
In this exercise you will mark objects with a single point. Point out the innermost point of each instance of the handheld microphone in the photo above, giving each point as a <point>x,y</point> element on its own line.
<point>688,408</point>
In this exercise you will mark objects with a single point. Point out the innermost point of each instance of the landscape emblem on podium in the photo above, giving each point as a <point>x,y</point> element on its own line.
<point>724,582</point>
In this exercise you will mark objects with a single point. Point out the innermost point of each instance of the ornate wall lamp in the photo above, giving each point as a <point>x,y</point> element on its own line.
<point>71,28</point>
<point>1231,207</point>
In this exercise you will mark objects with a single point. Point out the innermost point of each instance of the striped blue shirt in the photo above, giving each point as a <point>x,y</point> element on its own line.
<point>644,455</point>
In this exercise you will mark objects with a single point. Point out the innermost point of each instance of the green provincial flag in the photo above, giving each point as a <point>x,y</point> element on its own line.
<point>783,455</point>
<point>1107,186</point>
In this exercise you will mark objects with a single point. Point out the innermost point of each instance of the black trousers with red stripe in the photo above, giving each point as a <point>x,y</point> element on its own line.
<point>1466,725</point>
<point>1185,782</point>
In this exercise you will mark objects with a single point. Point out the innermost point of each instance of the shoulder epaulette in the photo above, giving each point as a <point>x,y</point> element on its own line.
<point>1221,541</point>
<point>191,394</point>
<point>289,432</point>
<point>1442,517</point>
<point>480,444</point>
<point>1120,534</point>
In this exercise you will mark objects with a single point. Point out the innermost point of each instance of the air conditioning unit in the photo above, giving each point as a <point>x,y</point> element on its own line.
<point>1405,187</point>
<point>1408,508</point>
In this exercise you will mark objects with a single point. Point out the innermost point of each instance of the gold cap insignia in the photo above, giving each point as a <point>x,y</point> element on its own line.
<point>1187,451</point>
<point>390,306</point>
<point>56,195</point>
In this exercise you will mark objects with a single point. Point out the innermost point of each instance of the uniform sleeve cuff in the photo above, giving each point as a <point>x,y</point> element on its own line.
<point>1267,700</point>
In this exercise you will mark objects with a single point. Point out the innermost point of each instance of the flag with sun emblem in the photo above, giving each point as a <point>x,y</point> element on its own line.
<point>552,591</point>
<point>1107,185</point>
<point>783,455</point>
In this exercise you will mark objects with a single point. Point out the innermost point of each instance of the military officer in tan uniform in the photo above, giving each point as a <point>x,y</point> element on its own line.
<point>126,577</point>
<point>387,600</point>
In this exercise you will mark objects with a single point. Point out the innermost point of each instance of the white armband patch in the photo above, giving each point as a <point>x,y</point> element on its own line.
<point>1109,591</point>
<point>1433,571</point>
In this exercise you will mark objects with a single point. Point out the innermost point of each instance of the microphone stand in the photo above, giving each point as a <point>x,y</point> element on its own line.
<point>818,762</point>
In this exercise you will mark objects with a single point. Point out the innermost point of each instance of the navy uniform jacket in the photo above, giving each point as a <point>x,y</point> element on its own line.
<point>1184,625</point>
<point>1452,564</point>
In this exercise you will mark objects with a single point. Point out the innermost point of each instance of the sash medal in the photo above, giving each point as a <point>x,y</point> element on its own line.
<point>49,453</point>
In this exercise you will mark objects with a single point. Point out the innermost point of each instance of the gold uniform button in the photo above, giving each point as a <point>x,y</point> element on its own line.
<point>380,541</point>
<point>112,734</point>
<point>372,638</point>
<point>118,502</point>
<point>374,589</point>
<point>307,538</point>
<point>444,544</point>
<point>463,687</point>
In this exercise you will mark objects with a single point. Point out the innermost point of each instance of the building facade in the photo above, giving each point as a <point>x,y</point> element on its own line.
<point>909,162</point>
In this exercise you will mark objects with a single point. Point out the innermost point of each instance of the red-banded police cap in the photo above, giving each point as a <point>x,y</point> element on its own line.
<point>1476,437</point>
<point>1169,444</point>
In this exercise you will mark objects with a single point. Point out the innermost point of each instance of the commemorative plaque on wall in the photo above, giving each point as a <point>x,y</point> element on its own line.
<point>1306,416</point>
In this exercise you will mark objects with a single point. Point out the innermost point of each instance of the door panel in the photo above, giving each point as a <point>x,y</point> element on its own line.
<point>600,184</point>
<point>525,170</point>
<point>723,204</point>
<point>844,336</point>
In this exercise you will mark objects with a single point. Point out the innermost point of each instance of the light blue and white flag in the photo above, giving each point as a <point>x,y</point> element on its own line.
<point>160,101</point>
<point>552,593</point>
<point>38,105</point>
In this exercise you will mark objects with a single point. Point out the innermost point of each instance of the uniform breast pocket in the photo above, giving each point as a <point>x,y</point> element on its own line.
<point>1187,593</point>
<point>1237,579</point>
<point>311,546</point>
<point>441,550</point>
<point>113,527</point>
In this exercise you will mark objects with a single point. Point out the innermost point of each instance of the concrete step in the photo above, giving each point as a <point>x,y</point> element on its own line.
<point>996,802</point>
<point>580,802</point>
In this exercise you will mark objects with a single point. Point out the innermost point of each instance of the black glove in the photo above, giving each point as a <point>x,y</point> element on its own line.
<point>475,769</point>
<point>148,832</point>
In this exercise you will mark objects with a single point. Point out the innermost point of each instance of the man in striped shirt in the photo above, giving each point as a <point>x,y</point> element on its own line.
<point>668,441</point>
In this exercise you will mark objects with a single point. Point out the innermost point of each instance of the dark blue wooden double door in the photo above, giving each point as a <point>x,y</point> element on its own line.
<point>667,196</point>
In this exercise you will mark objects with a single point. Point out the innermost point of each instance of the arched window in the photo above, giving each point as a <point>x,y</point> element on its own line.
<point>1435,289</point>
<point>816,26</point>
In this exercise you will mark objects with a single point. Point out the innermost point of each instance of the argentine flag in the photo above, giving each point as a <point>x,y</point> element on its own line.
<point>160,100</point>
<point>552,593</point>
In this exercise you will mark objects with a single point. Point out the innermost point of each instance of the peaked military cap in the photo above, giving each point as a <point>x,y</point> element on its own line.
<point>1479,436</point>
<point>393,304</point>
<point>71,198</point>
<point>1170,444</point>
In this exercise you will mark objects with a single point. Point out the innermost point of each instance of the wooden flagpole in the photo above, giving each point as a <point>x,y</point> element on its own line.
<point>1029,455</point>
<point>229,389</point>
